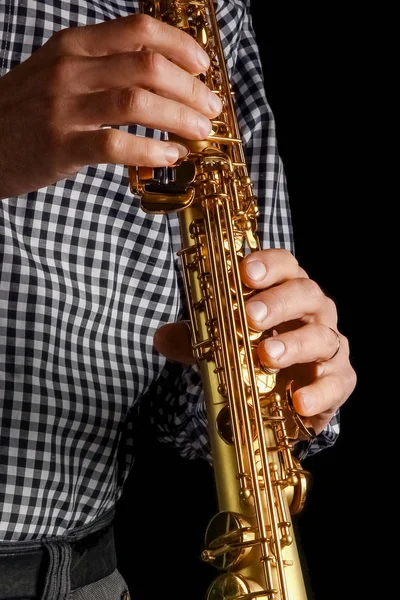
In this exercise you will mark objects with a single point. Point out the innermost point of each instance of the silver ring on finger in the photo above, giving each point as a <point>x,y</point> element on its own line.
<point>337,346</point>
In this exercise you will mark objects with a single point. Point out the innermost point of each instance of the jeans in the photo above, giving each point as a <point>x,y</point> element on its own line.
<point>81,565</point>
<point>112,587</point>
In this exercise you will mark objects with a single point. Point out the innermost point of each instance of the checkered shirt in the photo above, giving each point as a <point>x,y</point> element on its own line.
<point>86,278</point>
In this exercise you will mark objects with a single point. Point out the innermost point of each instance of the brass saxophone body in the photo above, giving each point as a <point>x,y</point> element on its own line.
<point>258,481</point>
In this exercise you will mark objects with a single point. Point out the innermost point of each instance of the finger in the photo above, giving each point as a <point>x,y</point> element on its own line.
<point>128,34</point>
<point>173,341</point>
<point>310,343</point>
<point>294,299</point>
<point>138,106</point>
<point>269,267</point>
<point>326,393</point>
<point>148,70</point>
<point>119,147</point>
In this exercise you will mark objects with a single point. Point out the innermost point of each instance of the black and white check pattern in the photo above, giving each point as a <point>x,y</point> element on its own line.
<point>86,280</point>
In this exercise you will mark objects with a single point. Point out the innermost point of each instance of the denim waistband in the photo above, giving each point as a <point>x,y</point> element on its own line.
<point>52,567</point>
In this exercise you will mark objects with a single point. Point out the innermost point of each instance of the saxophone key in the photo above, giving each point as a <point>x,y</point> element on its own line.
<point>229,540</point>
<point>231,586</point>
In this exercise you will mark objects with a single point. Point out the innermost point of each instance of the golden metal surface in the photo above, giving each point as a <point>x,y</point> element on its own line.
<point>232,587</point>
<point>229,539</point>
<point>259,483</point>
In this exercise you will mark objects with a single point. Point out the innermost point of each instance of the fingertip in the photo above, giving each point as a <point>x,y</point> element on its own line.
<point>257,311</point>
<point>304,403</point>
<point>174,152</point>
<point>253,271</point>
<point>274,348</point>
<point>203,60</point>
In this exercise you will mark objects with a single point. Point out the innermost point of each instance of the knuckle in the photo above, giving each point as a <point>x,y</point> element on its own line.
<point>344,344</point>
<point>331,308</point>
<point>312,291</point>
<point>110,145</point>
<point>133,100</point>
<point>145,24</point>
<point>62,38</point>
<point>61,71</point>
<point>351,375</point>
<point>303,273</point>
<point>287,253</point>
<point>352,381</point>
<point>289,256</point>
<point>152,62</point>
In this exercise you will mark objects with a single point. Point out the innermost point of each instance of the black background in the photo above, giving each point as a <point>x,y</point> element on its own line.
<point>310,60</point>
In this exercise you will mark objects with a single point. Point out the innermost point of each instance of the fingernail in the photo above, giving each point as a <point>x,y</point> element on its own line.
<point>175,151</point>
<point>203,59</point>
<point>308,403</point>
<point>204,125</point>
<point>215,104</point>
<point>256,310</point>
<point>274,348</point>
<point>256,270</point>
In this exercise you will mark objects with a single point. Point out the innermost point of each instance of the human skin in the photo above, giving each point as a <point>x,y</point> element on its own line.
<point>56,109</point>
<point>132,70</point>
<point>292,306</point>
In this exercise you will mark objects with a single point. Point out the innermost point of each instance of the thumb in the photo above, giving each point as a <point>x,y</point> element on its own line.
<point>173,341</point>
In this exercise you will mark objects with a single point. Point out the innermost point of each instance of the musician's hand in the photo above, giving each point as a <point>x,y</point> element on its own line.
<point>308,346</point>
<point>305,347</point>
<point>57,106</point>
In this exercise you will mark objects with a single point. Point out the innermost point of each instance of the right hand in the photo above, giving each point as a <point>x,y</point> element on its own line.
<point>132,70</point>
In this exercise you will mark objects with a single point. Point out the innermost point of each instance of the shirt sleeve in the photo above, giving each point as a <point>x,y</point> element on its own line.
<point>176,403</point>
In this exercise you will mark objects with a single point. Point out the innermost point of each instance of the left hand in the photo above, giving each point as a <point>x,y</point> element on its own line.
<point>304,346</point>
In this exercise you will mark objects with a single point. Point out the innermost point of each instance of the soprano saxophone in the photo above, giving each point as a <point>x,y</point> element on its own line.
<point>259,483</point>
